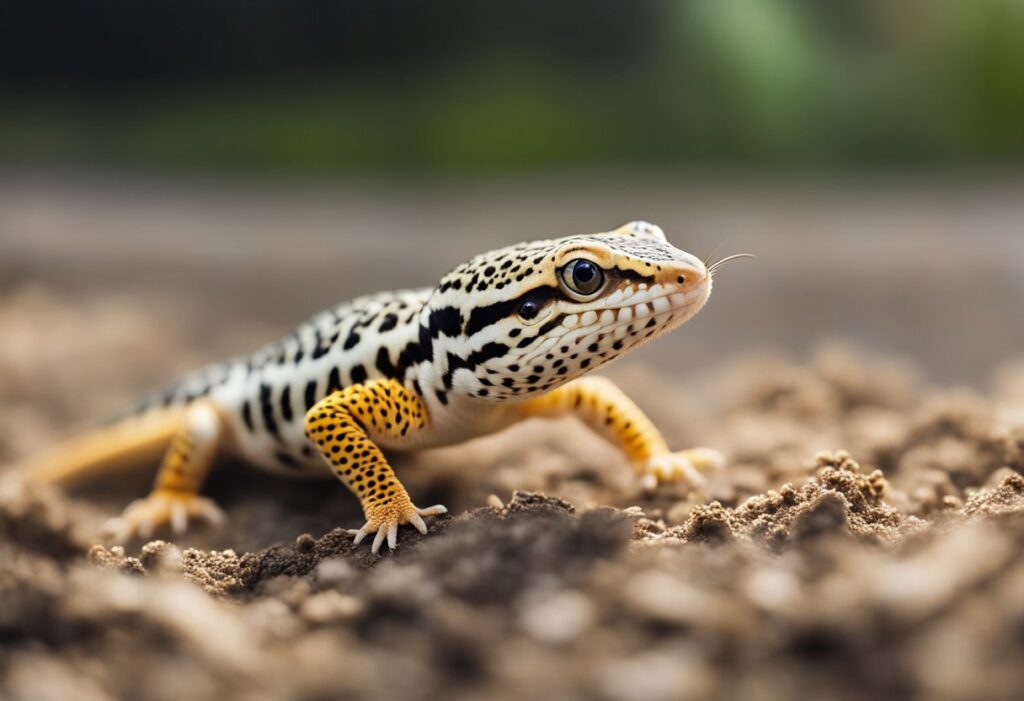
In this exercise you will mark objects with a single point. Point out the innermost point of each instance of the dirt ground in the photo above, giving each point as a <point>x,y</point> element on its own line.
<point>865,541</point>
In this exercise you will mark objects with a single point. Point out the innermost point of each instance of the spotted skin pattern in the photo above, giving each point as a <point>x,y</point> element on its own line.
<point>505,336</point>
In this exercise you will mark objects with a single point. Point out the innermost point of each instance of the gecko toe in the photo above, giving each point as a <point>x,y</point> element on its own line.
<point>116,530</point>
<point>707,459</point>
<point>361,534</point>
<point>162,508</point>
<point>179,518</point>
<point>417,522</point>
<point>683,466</point>
<point>378,540</point>
<point>385,522</point>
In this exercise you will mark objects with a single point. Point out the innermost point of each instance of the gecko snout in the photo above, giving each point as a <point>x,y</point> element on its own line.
<point>688,274</point>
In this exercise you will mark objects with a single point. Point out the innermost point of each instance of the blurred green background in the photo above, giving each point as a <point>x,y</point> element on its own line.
<point>321,86</point>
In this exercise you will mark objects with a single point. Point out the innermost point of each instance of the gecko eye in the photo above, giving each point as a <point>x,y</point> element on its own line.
<point>582,277</point>
<point>529,309</point>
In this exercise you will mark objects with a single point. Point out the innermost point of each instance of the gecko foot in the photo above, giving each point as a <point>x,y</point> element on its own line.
<point>385,518</point>
<point>682,466</point>
<point>143,516</point>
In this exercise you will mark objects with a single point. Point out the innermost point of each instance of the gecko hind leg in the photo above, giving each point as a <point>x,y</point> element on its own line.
<point>175,497</point>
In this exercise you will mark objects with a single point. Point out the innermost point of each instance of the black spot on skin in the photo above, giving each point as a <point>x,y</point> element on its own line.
<point>410,355</point>
<point>358,374</point>
<point>267,410</point>
<point>286,403</point>
<point>390,322</point>
<point>247,415</point>
<point>168,397</point>
<point>384,364</point>
<point>482,317</point>
<point>319,350</point>
<point>447,321</point>
<point>489,351</point>
<point>333,381</point>
<point>310,397</point>
<point>548,325</point>
<point>286,460</point>
<point>351,341</point>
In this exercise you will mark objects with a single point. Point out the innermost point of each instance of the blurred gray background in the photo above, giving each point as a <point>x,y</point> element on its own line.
<point>240,166</point>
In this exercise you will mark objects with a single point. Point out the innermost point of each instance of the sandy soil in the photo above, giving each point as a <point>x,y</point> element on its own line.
<point>865,541</point>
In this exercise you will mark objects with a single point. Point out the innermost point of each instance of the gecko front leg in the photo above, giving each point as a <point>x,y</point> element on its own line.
<point>608,411</point>
<point>341,426</point>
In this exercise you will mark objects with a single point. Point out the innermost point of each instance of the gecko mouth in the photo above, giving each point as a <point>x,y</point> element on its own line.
<point>614,330</point>
<point>658,300</point>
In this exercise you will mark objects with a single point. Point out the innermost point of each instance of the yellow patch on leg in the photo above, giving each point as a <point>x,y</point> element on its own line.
<point>340,426</point>
<point>175,499</point>
<point>607,410</point>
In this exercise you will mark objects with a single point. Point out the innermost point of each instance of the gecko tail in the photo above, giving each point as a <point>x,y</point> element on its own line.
<point>132,443</point>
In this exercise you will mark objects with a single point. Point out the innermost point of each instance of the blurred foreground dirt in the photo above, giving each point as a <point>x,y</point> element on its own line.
<point>866,540</point>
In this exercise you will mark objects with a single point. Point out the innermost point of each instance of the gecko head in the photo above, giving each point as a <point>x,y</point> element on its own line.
<point>522,320</point>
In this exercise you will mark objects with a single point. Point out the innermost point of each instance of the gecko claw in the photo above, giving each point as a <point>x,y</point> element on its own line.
<point>385,519</point>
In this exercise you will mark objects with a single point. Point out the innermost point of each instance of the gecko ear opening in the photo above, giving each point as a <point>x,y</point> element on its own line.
<point>642,230</point>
